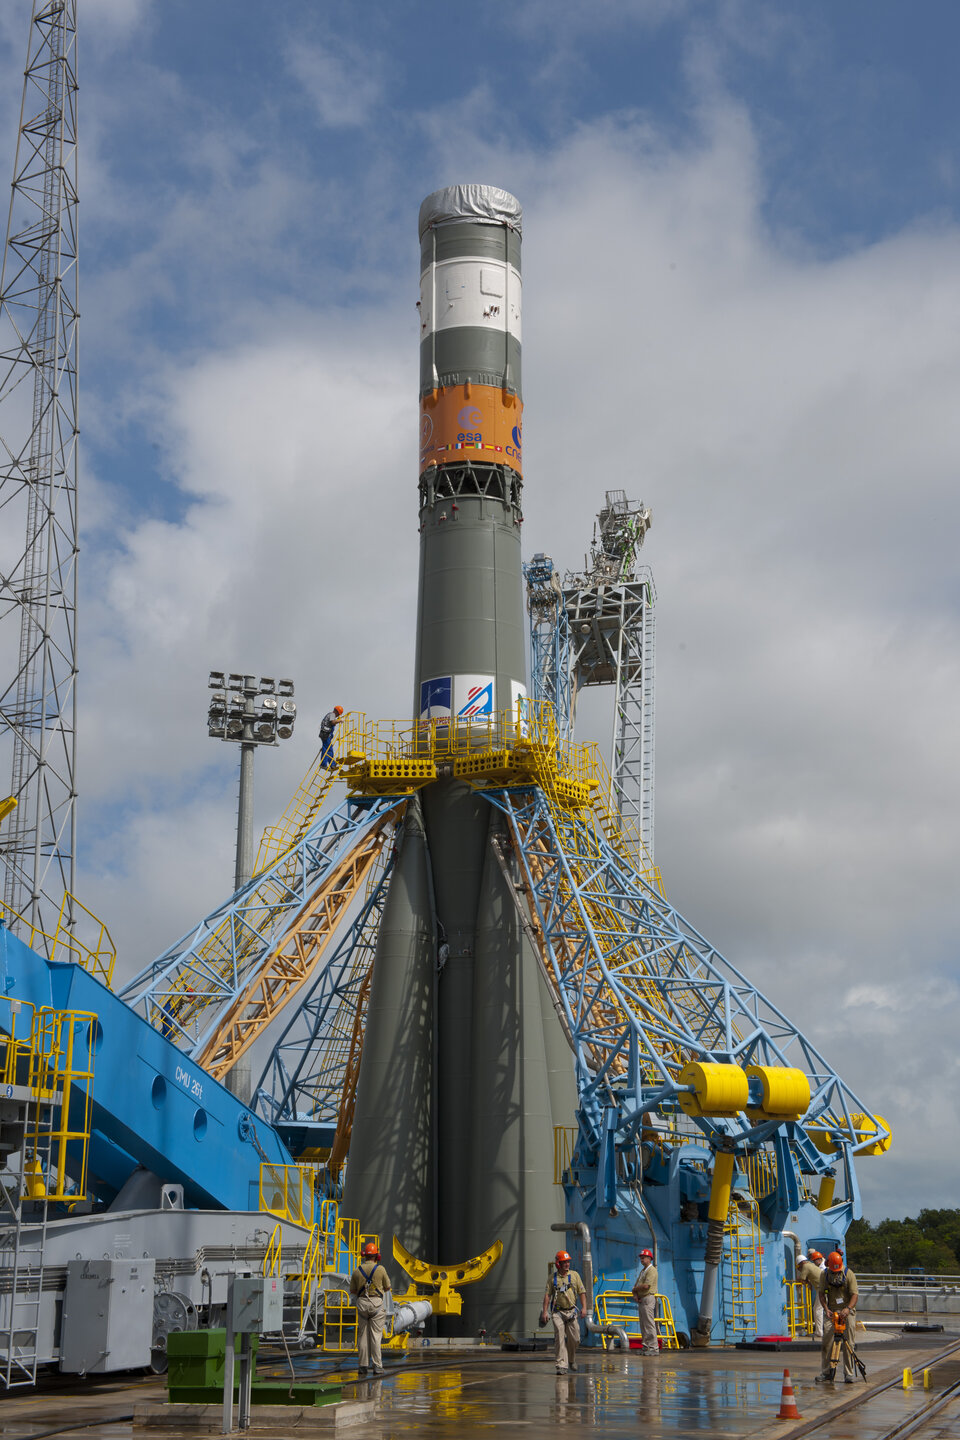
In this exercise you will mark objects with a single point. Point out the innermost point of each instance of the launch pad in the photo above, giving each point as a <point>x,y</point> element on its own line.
<point>497,1035</point>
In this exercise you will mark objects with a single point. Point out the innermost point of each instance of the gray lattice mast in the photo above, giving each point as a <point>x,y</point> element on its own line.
<point>610,608</point>
<point>38,478</point>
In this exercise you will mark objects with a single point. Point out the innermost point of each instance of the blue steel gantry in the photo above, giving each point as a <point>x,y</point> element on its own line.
<point>708,1127</point>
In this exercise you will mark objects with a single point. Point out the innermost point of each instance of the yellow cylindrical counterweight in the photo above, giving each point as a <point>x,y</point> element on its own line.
<point>867,1125</point>
<point>786,1092</point>
<point>824,1136</point>
<point>718,1090</point>
<point>828,1183</point>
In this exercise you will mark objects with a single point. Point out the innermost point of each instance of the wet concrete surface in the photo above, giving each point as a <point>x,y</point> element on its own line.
<point>707,1394</point>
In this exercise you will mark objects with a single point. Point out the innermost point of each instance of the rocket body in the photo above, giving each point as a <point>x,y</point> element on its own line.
<point>470,627</point>
<point>495,1075</point>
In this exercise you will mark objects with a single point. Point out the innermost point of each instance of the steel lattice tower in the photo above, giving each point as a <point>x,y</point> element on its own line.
<point>38,478</point>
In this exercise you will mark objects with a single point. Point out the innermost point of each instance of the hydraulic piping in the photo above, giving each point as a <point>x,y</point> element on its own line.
<point>717,1219</point>
<point>615,1331</point>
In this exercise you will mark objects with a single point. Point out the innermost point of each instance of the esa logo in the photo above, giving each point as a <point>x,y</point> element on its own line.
<point>426,430</point>
<point>470,418</point>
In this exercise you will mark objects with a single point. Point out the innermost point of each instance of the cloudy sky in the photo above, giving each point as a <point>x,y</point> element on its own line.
<point>742,284</point>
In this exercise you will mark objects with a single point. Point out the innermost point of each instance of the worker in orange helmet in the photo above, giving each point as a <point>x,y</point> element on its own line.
<point>328,727</point>
<point>565,1301</point>
<point>369,1283</point>
<point>809,1270</point>
<point>645,1294</point>
<point>838,1295</point>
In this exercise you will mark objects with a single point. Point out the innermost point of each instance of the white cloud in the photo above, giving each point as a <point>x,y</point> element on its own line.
<point>341,80</point>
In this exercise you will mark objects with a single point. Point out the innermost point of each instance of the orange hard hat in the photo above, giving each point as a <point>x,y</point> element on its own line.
<point>563,1257</point>
<point>834,1260</point>
<point>646,1254</point>
<point>338,709</point>
<point>815,1255</point>
<point>369,1250</point>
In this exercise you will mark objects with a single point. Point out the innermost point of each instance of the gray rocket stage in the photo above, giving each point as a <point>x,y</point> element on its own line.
<point>465,1070</point>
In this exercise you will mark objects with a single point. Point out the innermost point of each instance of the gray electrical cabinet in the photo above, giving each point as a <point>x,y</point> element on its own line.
<point>107,1316</point>
<point>257,1305</point>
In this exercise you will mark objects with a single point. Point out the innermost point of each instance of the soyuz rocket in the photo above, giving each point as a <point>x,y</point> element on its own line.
<point>465,1070</point>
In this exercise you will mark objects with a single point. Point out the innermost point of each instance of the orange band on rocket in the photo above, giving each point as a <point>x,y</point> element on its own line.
<point>479,422</point>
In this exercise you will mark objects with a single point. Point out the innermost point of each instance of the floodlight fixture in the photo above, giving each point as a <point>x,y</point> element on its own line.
<point>245,709</point>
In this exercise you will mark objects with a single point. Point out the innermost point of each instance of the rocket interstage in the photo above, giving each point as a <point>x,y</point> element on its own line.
<point>465,1071</point>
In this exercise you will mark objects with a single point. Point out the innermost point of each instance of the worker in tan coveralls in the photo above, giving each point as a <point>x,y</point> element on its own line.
<point>368,1285</point>
<point>809,1270</point>
<point>838,1295</point>
<point>645,1294</point>
<point>565,1301</point>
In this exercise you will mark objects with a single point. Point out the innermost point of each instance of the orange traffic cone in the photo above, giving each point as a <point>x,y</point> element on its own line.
<point>788,1401</point>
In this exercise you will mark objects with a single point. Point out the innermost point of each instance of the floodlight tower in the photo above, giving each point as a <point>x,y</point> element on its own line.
<point>249,711</point>
<point>38,480</point>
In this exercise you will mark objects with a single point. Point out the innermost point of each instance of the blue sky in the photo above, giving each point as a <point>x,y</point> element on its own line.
<point>742,278</point>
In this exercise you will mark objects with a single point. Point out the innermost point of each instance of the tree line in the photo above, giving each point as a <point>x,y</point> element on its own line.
<point>931,1241</point>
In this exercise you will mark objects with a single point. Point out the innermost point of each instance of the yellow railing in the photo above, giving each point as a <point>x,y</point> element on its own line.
<point>310,1271</point>
<point>297,818</point>
<point>273,1258</point>
<point>348,1239</point>
<point>624,836</point>
<point>799,1309</point>
<point>97,954</point>
<point>16,1047</point>
<point>287,1191</point>
<point>619,1307</point>
<point>745,1275</point>
<point>761,1171</point>
<point>564,1140</point>
<point>339,1331</point>
<point>61,1081</point>
<point>502,748</point>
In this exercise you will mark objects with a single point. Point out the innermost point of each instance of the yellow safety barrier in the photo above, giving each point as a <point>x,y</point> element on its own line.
<point>288,1191</point>
<point>743,1271</point>
<point>503,748</point>
<point>97,954</point>
<point>761,1171</point>
<point>619,1307</point>
<point>61,1081</point>
<point>16,1047</point>
<point>799,1309</point>
<point>564,1140</point>
<point>273,1258</point>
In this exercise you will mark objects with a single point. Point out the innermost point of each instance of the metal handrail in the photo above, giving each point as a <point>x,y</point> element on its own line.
<point>906,1280</point>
